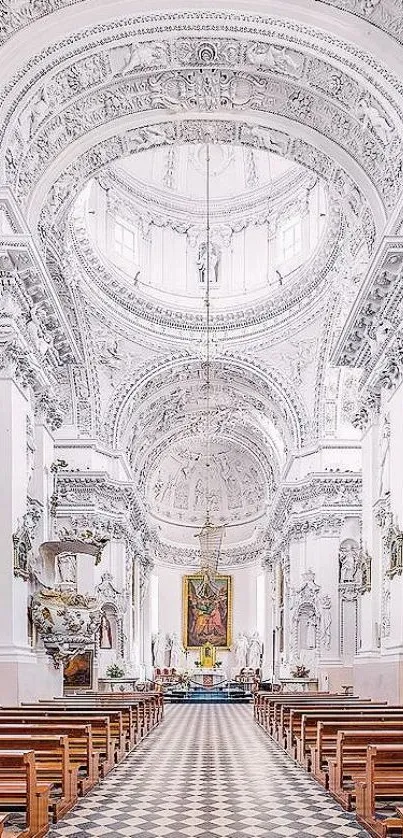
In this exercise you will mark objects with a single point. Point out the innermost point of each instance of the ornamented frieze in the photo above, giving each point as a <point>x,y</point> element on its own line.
<point>257,76</point>
<point>384,14</point>
<point>376,315</point>
<point>321,492</point>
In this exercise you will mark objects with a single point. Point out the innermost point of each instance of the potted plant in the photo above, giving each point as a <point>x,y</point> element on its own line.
<point>300,671</point>
<point>115,671</point>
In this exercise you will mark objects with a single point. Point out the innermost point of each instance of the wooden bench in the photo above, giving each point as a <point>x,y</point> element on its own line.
<point>324,748</point>
<point>135,721</point>
<point>81,750</point>
<point>21,791</point>
<point>52,760</point>
<point>350,758</point>
<point>115,716</point>
<point>302,730</point>
<point>383,784</point>
<point>100,726</point>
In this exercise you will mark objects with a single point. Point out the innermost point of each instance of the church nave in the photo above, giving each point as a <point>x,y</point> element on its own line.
<point>208,772</point>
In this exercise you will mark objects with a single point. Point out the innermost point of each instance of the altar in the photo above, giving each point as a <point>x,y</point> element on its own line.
<point>206,677</point>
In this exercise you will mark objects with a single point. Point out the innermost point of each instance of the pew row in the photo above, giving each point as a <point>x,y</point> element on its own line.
<point>353,747</point>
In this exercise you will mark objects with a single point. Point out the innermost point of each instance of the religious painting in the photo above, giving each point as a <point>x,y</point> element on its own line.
<point>207,611</point>
<point>78,671</point>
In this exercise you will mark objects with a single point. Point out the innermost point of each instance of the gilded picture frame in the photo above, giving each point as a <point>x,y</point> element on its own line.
<point>207,612</point>
<point>78,671</point>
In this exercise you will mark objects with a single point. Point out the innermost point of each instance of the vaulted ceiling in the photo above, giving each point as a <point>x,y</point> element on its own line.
<point>106,110</point>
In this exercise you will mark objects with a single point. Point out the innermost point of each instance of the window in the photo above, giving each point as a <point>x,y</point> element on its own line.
<point>291,239</point>
<point>125,241</point>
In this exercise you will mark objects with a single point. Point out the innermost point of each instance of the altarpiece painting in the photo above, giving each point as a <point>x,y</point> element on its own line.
<point>207,611</point>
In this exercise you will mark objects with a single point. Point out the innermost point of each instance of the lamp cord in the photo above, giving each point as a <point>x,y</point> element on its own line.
<point>208,278</point>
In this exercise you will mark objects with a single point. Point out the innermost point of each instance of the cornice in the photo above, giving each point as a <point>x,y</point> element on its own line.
<point>332,492</point>
<point>376,307</point>
<point>133,197</point>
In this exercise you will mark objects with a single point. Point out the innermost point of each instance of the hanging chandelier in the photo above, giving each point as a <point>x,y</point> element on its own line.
<point>210,536</point>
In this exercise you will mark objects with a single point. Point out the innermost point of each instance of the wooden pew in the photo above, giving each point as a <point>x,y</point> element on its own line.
<point>279,712</point>
<point>324,749</point>
<point>383,783</point>
<point>132,717</point>
<point>100,726</point>
<point>115,716</point>
<point>81,750</point>
<point>19,789</point>
<point>52,761</point>
<point>350,758</point>
<point>302,731</point>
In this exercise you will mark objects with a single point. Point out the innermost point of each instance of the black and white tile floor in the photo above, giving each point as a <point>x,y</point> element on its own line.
<point>208,772</point>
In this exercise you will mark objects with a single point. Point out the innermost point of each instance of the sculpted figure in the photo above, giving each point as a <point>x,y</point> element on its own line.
<point>241,650</point>
<point>159,650</point>
<point>144,55</point>
<point>66,568</point>
<point>348,565</point>
<point>384,467</point>
<point>255,651</point>
<point>176,652</point>
<point>371,118</point>
<point>105,633</point>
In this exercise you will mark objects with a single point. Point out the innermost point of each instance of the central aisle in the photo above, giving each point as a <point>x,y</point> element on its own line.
<point>208,772</point>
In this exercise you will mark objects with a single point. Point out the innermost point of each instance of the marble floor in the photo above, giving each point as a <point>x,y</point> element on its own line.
<point>208,772</point>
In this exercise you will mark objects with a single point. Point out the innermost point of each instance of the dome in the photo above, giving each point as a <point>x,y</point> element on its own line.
<point>144,218</point>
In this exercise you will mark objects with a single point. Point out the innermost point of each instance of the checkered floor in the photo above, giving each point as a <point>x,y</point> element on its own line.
<point>208,772</point>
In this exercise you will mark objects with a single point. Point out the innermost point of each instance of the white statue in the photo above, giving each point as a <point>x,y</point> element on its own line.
<point>176,652</point>
<point>241,650</point>
<point>311,633</point>
<point>348,567</point>
<point>255,651</point>
<point>160,647</point>
<point>66,568</point>
<point>210,262</point>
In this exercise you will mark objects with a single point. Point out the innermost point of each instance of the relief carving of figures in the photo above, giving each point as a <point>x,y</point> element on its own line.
<point>372,119</point>
<point>23,538</point>
<point>274,58</point>
<point>210,262</point>
<point>108,593</point>
<point>326,622</point>
<point>138,56</point>
<point>385,623</point>
<point>305,620</point>
<point>64,616</point>
<point>384,459</point>
<point>66,569</point>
